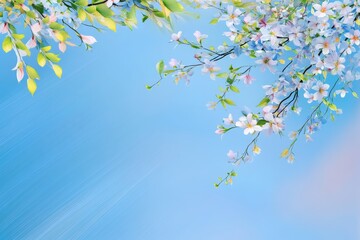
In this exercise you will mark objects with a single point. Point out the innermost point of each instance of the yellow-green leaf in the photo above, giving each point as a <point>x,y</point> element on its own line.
<point>18,36</point>
<point>284,153</point>
<point>229,101</point>
<point>32,73</point>
<point>355,94</point>
<point>57,70</point>
<point>160,66</point>
<point>264,102</point>
<point>56,26</point>
<point>173,5</point>
<point>222,75</point>
<point>109,23</point>
<point>81,14</point>
<point>7,45</point>
<point>82,3</point>
<point>104,11</point>
<point>20,45</point>
<point>214,21</point>
<point>234,89</point>
<point>52,57</point>
<point>31,84</point>
<point>41,60</point>
<point>46,49</point>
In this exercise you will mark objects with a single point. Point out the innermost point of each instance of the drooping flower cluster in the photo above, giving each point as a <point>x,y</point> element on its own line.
<point>49,23</point>
<point>311,47</point>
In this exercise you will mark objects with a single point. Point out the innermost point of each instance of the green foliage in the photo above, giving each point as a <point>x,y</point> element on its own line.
<point>64,27</point>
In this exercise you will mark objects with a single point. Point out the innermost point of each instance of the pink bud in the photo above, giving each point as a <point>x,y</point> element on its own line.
<point>88,39</point>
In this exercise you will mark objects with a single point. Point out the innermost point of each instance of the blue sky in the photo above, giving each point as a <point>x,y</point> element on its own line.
<point>97,156</point>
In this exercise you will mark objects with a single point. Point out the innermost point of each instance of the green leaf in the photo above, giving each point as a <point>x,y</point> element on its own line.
<point>18,36</point>
<point>7,45</point>
<point>229,102</point>
<point>41,60</point>
<point>332,107</point>
<point>173,5</point>
<point>82,3</point>
<point>91,9</point>
<point>104,11</point>
<point>214,21</point>
<point>22,46</point>
<point>109,23</point>
<point>32,73</point>
<point>81,14</point>
<point>31,84</point>
<point>230,80</point>
<point>30,14</point>
<point>46,49</point>
<point>234,89</point>
<point>56,26</point>
<point>355,94</point>
<point>223,103</point>
<point>144,18</point>
<point>131,19</point>
<point>264,102</point>
<point>52,57</point>
<point>222,75</point>
<point>262,122</point>
<point>287,48</point>
<point>167,72</point>
<point>39,8</point>
<point>324,74</point>
<point>57,70</point>
<point>160,67</point>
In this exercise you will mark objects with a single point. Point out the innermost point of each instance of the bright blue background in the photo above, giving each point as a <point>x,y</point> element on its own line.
<point>97,156</point>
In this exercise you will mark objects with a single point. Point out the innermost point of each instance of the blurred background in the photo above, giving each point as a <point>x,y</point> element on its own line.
<point>97,156</point>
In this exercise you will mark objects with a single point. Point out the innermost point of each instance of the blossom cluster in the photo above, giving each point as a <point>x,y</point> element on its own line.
<point>310,47</point>
<point>49,24</point>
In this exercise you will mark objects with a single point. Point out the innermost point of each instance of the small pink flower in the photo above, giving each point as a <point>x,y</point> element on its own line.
<point>220,130</point>
<point>176,36</point>
<point>52,18</point>
<point>174,63</point>
<point>199,36</point>
<point>88,39</point>
<point>232,155</point>
<point>248,79</point>
<point>35,28</point>
<point>19,70</point>
<point>62,46</point>
<point>31,43</point>
<point>229,120</point>
<point>4,28</point>
<point>24,7</point>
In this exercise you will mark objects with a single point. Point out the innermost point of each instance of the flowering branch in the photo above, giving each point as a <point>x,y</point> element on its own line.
<point>299,42</point>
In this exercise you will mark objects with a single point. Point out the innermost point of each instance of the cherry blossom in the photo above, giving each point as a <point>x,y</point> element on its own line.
<point>311,51</point>
<point>249,124</point>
